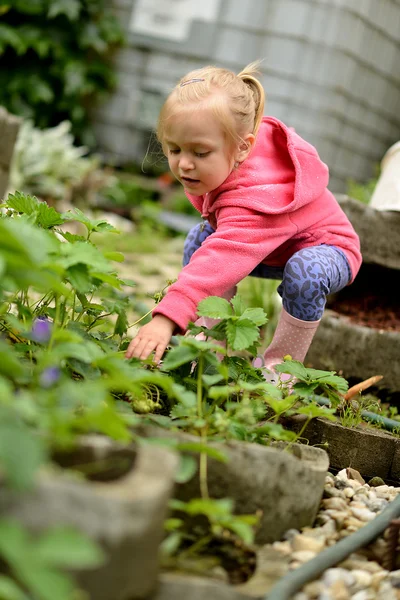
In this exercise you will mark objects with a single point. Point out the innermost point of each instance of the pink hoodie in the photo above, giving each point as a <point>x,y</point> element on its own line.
<point>273,205</point>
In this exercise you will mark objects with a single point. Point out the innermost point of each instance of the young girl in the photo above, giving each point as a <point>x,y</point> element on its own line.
<point>262,191</point>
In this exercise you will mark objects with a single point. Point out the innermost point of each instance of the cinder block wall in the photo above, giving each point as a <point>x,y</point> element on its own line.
<point>330,70</point>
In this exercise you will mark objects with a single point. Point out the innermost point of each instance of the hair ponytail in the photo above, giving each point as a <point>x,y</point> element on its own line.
<point>248,76</point>
<point>236,100</point>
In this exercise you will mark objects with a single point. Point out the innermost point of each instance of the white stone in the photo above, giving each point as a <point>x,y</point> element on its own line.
<point>377,578</point>
<point>303,556</point>
<point>335,503</point>
<point>363,578</point>
<point>348,492</point>
<point>363,595</point>
<point>386,592</point>
<point>363,514</point>
<point>307,543</point>
<point>332,575</point>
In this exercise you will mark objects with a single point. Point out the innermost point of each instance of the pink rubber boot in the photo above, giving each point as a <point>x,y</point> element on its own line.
<point>292,336</point>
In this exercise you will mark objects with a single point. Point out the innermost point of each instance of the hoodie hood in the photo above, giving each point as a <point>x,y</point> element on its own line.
<point>282,174</point>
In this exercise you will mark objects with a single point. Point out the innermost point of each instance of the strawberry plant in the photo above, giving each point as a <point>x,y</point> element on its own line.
<point>64,320</point>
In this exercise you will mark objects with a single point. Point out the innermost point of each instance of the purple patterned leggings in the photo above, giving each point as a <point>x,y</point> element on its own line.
<point>308,277</point>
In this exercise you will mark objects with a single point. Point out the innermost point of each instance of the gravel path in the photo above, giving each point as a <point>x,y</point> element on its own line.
<point>347,505</point>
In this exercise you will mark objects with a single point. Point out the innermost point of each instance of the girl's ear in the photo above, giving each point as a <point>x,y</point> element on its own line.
<point>245,147</point>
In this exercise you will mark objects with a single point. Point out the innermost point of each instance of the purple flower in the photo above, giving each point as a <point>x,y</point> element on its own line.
<point>49,377</point>
<point>41,330</point>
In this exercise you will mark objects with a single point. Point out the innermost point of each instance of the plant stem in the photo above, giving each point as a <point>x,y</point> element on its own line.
<point>200,367</point>
<point>203,456</point>
<point>55,323</point>
<point>141,318</point>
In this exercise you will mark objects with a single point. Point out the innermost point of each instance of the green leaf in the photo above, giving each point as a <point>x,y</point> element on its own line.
<point>293,367</point>
<point>10,364</point>
<point>116,256</point>
<point>45,583</point>
<point>314,410</point>
<point>243,530</point>
<point>241,334</point>
<point>70,8</point>
<point>10,36</point>
<point>66,547</point>
<point>215,307</point>
<point>87,352</point>
<point>255,315</point>
<point>84,253</point>
<point>276,432</point>
<point>210,380</point>
<point>179,356</point>
<point>71,237</point>
<point>92,225</point>
<point>23,203</point>
<point>187,469</point>
<point>78,275</point>
<point>107,278</point>
<point>198,447</point>
<point>9,590</point>
<point>121,325</point>
<point>48,217</point>
<point>238,305</point>
<point>21,452</point>
<point>171,543</point>
<point>280,405</point>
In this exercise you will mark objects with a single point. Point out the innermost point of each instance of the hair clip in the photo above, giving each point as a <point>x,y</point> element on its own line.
<point>190,81</point>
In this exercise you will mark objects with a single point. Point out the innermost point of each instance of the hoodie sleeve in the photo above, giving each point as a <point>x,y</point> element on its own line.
<point>243,239</point>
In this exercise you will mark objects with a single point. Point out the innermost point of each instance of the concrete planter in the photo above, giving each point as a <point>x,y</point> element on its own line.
<point>285,485</point>
<point>356,351</point>
<point>369,451</point>
<point>124,515</point>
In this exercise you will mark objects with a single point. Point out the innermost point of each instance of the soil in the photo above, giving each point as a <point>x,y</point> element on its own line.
<point>371,300</point>
<point>369,311</point>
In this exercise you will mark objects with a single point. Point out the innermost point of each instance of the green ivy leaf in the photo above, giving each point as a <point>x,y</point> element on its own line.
<point>70,8</point>
<point>215,308</point>
<point>9,36</point>
<point>241,334</point>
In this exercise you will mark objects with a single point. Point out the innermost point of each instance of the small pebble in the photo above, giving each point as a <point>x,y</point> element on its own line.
<point>303,556</point>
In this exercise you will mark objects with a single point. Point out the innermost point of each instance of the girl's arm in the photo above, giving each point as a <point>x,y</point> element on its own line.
<point>243,239</point>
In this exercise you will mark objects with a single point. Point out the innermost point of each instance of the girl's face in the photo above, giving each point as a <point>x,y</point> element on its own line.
<point>197,150</point>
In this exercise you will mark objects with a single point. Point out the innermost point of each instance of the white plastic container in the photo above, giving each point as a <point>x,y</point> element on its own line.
<point>386,195</point>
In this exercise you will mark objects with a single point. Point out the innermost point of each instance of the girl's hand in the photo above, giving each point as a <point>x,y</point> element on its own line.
<point>153,336</point>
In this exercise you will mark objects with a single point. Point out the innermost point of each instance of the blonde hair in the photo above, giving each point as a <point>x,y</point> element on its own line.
<point>236,100</point>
